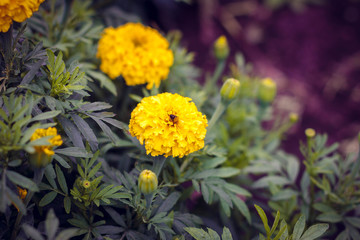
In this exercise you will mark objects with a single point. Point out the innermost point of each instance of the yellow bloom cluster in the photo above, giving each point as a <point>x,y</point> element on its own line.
<point>16,10</point>
<point>140,54</point>
<point>169,124</point>
<point>54,141</point>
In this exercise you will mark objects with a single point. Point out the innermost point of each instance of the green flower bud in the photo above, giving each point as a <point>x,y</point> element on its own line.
<point>293,117</point>
<point>230,89</point>
<point>147,182</point>
<point>221,48</point>
<point>310,133</point>
<point>267,90</point>
<point>40,159</point>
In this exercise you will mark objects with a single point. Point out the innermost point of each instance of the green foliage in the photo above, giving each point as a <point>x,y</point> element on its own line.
<point>200,234</point>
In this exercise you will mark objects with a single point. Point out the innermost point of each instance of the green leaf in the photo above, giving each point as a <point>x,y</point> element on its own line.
<point>46,115</point>
<point>61,179</point>
<point>22,181</point>
<point>51,224</point>
<point>238,190</point>
<point>219,172</point>
<point>263,218</point>
<point>226,235</point>
<point>331,217</point>
<point>315,231</point>
<point>74,152</point>
<point>94,170</point>
<point>67,204</point>
<point>299,228</point>
<point>242,207</point>
<point>198,234</point>
<point>275,224</point>
<point>48,198</point>
<point>276,180</point>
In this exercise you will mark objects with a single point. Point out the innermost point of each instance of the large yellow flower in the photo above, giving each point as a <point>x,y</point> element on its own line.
<point>140,54</point>
<point>16,10</point>
<point>54,141</point>
<point>169,124</point>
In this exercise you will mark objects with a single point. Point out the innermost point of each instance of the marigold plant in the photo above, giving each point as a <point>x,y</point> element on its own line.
<point>16,10</point>
<point>138,53</point>
<point>169,125</point>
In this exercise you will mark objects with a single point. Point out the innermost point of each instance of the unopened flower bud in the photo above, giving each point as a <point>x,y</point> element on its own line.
<point>267,90</point>
<point>293,117</point>
<point>230,89</point>
<point>147,182</point>
<point>86,184</point>
<point>221,48</point>
<point>310,133</point>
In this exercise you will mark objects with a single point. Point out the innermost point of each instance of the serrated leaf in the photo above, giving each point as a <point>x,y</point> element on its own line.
<point>299,228</point>
<point>315,231</point>
<point>46,115</point>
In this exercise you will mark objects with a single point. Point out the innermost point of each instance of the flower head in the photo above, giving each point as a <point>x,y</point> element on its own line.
<point>267,90</point>
<point>54,141</point>
<point>310,133</point>
<point>221,48</point>
<point>168,124</point>
<point>139,53</point>
<point>147,181</point>
<point>230,89</point>
<point>16,10</point>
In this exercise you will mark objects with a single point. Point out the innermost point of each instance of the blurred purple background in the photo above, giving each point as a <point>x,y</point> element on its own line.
<point>311,50</point>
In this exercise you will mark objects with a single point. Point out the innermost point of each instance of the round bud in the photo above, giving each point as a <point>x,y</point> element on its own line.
<point>221,48</point>
<point>293,117</point>
<point>310,133</point>
<point>230,89</point>
<point>147,182</point>
<point>267,90</point>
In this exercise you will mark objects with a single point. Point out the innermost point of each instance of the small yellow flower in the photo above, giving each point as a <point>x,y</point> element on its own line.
<point>22,194</point>
<point>147,182</point>
<point>310,133</point>
<point>86,184</point>
<point>230,89</point>
<point>138,53</point>
<point>169,125</point>
<point>42,155</point>
<point>221,48</point>
<point>267,90</point>
<point>16,10</point>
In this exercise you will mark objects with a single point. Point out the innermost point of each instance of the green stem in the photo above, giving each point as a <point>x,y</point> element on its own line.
<point>187,161</point>
<point>210,85</point>
<point>217,114</point>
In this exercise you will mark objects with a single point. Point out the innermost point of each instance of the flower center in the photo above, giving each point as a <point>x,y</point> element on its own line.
<point>173,118</point>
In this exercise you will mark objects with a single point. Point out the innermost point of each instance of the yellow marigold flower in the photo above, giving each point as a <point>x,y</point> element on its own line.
<point>16,10</point>
<point>168,124</point>
<point>139,53</point>
<point>147,182</point>
<point>54,141</point>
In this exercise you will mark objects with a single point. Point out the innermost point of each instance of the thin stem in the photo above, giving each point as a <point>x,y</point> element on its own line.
<point>217,114</point>
<point>217,73</point>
